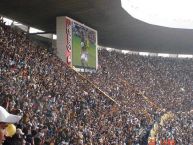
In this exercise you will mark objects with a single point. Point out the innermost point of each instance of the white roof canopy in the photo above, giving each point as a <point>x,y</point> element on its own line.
<point>168,13</point>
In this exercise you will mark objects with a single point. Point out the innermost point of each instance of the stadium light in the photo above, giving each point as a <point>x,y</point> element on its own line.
<point>16,23</point>
<point>163,55</point>
<point>54,37</point>
<point>125,51</point>
<point>144,53</point>
<point>34,30</point>
<point>7,21</point>
<point>185,56</point>
<point>109,49</point>
<point>168,13</point>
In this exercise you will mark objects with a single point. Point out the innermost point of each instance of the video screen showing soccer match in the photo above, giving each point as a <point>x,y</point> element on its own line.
<point>84,46</point>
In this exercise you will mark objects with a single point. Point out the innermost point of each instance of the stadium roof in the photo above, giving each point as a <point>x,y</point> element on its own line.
<point>116,28</point>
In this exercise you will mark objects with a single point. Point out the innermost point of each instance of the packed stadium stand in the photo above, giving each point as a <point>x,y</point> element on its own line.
<point>128,101</point>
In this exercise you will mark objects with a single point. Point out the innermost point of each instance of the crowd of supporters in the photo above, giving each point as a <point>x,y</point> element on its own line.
<point>60,107</point>
<point>166,82</point>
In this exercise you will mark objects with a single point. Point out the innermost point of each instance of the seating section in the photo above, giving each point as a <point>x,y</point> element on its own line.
<point>60,107</point>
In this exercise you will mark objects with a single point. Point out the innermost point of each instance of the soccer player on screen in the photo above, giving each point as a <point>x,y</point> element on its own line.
<point>84,53</point>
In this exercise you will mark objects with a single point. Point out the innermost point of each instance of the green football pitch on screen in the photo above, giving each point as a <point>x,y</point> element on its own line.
<point>76,53</point>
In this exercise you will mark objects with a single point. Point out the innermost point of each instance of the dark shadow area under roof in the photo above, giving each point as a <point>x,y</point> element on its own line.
<point>116,28</point>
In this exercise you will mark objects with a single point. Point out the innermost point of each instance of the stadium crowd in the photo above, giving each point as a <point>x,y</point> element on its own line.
<point>167,82</point>
<point>59,107</point>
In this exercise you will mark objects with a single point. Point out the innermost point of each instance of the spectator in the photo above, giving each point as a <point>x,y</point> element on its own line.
<point>6,118</point>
